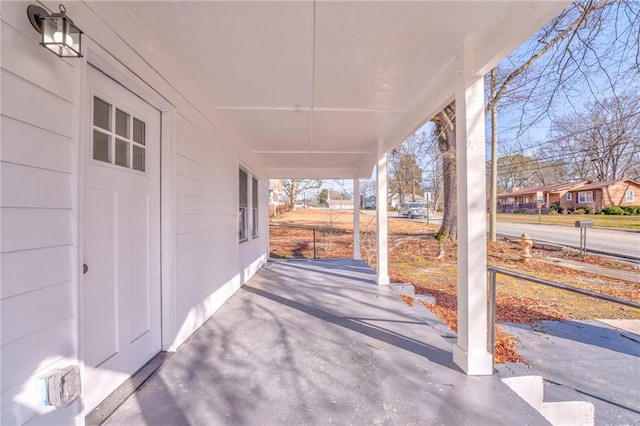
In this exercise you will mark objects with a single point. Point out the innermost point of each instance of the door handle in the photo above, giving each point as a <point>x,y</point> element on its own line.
<point>85,268</point>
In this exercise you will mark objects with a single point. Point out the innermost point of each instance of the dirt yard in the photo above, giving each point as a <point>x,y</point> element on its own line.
<point>413,258</point>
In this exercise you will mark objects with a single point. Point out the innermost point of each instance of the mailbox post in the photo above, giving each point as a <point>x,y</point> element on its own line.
<point>583,225</point>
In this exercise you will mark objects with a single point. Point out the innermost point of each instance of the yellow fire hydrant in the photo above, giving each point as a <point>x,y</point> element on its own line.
<point>526,243</point>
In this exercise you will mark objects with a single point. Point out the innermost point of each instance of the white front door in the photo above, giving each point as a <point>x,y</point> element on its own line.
<point>121,288</point>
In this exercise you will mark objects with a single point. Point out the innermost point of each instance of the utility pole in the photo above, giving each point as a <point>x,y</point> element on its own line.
<point>493,198</point>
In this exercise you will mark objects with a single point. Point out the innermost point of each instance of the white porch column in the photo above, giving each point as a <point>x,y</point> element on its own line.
<point>381,215</point>
<point>356,219</point>
<point>470,352</point>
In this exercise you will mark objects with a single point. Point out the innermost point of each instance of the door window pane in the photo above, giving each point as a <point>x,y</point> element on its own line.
<point>101,114</point>
<point>138,158</point>
<point>122,123</point>
<point>101,147</point>
<point>122,153</point>
<point>138,131</point>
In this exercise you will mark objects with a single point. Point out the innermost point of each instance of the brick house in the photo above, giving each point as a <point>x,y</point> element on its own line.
<point>525,198</point>
<point>600,195</point>
<point>594,196</point>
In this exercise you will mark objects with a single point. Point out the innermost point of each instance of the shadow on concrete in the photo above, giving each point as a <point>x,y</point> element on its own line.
<point>296,345</point>
<point>169,411</point>
<point>588,332</point>
<point>330,271</point>
<point>358,325</point>
<point>600,398</point>
<point>585,360</point>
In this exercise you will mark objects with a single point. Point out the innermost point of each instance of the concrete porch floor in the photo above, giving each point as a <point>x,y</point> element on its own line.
<point>317,342</point>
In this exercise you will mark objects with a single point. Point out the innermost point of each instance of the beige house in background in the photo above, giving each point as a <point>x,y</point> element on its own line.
<point>276,198</point>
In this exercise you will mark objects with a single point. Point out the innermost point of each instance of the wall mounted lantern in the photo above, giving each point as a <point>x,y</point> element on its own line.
<point>59,33</point>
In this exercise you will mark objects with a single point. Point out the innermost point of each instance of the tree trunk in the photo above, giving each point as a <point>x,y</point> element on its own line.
<point>446,138</point>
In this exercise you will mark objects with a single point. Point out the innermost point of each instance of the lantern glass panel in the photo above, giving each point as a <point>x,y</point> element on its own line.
<point>60,36</point>
<point>49,28</point>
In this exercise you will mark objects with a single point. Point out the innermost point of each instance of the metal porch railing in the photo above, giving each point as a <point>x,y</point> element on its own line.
<point>493,272</point>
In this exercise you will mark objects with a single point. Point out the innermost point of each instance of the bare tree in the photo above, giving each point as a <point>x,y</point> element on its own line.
<point>549,167</point>
<point>515,171</point>
<point>367,189</point>
<point>589,49</point>
<point>434,181</point>
<point>405,166</point>
<point>603,143</point>
<point>294,187</point>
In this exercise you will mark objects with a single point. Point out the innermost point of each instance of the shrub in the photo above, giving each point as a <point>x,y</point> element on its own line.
<point>614,210</point>
<point>580,211</point>
<point>520,211</point>
<point>552,212</point>
<point>630,210</point>
<point>556,208</point>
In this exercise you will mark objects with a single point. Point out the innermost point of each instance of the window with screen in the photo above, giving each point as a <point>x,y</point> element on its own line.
<point>243,205</point>
<point>629,196</point>
<point>254,207</point>
<point>585,197</point>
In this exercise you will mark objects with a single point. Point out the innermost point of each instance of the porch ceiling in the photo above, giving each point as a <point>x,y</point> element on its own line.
<point>314,87</point>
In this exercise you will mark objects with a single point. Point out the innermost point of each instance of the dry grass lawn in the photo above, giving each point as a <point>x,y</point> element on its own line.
<point>599,220</point>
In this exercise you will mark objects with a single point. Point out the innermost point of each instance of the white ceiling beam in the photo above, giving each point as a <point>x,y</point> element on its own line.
<point>315,173</point>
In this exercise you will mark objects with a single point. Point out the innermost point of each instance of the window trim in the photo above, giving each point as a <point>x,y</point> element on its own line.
<point>243,229</point>
<point>254,207</point>
<point>569,196</point>
<point>626,195</point>
<point>114,137</point>
<point>582,197</point>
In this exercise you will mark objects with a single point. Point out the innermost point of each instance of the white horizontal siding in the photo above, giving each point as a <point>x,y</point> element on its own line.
<point>35,105</point>
<point>26,186</point>
<point>194,170</point>
<point>26,228</point>
<point>31,312</point>
<point>25,144</point>
<point>186,224</point>
<point>195,188</point>
<point>207,248</point>
<point>196,241</point>
<point>29,270</point>
<point>38,290</point>
<point>34,352</point>
<point>21,56</point>
<point>188,204</point>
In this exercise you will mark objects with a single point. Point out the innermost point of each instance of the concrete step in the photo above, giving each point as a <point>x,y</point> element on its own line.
<point>531,389</point>
<point>429,298</point>
<point>403,288</point>
<point>409,290</point>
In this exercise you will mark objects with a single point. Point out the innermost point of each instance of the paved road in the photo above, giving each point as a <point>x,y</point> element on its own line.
<point>621,243</point>
<point>625,244</point>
